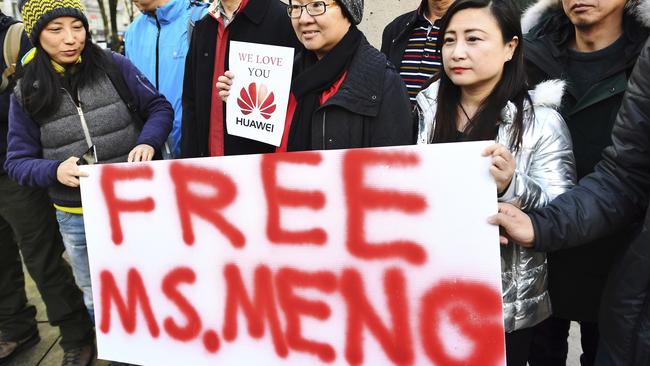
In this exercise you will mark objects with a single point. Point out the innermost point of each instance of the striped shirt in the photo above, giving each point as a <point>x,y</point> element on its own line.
<point>421,59</point>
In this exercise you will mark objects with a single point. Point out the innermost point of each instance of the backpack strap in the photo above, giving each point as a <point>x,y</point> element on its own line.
<point>117,79</point>
<point>10,50</point>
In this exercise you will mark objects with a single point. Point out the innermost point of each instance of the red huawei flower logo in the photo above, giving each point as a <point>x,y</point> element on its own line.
<point>252,98</point>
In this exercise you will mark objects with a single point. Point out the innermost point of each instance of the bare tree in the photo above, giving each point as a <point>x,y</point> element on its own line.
<point>112,8</point>
<point>110,23</point>
<point>102,11</point>
<point>128,5</point>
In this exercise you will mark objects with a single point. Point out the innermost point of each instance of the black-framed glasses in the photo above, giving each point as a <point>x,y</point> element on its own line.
<point>89,157</point>
<point>313,8</point>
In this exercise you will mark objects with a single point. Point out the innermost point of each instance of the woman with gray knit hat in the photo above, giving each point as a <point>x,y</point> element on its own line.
<point>344,92</point>
<point>67,110</point>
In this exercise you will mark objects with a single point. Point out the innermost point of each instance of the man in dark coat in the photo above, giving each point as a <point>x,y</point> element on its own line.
<point>204,130</point>
<point>594,47</point>
<point>605,201</point>
<point>411,42</point>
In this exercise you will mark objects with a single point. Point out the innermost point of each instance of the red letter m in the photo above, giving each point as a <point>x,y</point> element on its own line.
<point>135,293</point>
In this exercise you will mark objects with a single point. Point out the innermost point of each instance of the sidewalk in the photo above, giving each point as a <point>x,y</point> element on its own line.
<point>48,352</point>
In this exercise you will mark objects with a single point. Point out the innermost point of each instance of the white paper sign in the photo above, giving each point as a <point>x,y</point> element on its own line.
<point>259,97</point>
<point>366,256</point>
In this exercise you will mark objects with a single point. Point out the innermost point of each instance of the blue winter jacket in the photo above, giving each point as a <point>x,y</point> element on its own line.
<point>24,162</point>
<point>157,44</point>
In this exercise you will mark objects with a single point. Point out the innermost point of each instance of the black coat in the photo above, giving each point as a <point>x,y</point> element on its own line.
<point>577,276</point>
<point>261,21</point>
<point>396,35</point>
<point>370,109</point>
<point>616,194</point>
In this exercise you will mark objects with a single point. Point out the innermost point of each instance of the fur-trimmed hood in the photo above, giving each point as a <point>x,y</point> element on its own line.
<point>639,9</point>
<point>546,95</point>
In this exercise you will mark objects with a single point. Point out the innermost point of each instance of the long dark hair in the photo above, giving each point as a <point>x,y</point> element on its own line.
<point>512,86</point>
<point>40,85</point>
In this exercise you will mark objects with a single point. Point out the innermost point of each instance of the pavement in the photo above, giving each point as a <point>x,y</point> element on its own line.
<point>48,352</point>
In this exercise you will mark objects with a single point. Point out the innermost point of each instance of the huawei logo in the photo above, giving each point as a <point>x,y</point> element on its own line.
<point>255,97</point>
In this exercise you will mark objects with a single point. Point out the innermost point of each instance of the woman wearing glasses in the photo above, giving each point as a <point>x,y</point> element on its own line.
<point>66,110</point>
<point>345,94</point>
<point>482,95</point>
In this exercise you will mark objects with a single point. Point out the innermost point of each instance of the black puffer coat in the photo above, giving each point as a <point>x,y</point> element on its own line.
<point>577,276</point>
<point>616,194</point>
<point>370,109</point>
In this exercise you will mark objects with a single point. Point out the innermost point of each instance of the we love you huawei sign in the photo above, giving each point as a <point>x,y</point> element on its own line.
<point>257,109</point>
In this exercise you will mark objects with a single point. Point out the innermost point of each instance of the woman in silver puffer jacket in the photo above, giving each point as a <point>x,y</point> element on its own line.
<point>482,95</point>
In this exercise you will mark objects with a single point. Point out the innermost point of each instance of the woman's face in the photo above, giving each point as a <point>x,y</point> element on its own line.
<point>320,33</point>
<point>63,39</point>
<point>473,51</point>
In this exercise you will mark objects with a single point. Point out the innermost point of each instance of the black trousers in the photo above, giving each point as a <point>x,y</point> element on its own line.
<point>28,225</point>
<point>518,345</point>
<point>551,347</point>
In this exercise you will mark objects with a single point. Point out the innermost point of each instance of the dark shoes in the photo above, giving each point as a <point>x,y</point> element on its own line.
<point>9,350</point>
<point>80,356</point>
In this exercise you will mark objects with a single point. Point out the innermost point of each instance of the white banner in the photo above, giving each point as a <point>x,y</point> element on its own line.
<point>259,95</point>
<point>366,256</point>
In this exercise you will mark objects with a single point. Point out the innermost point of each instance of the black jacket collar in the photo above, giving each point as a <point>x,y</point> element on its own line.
<point>547,43</point>
<point>255,10</point>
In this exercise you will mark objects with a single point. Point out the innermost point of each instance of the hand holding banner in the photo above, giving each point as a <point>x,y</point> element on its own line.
<point>365,256</point>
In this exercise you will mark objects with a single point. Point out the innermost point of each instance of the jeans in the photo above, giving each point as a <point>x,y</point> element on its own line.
<point>28,227</point>
<point>73,233</point>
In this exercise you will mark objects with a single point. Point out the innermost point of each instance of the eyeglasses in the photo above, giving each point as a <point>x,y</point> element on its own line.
<point>313,8</point>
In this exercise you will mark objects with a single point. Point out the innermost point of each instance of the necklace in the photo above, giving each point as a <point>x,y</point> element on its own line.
<point>469,120</point>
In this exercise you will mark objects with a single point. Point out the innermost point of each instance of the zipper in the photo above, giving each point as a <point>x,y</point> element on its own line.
<point>145,84</point>
<point>324,114</point>
<point>82,118</point>
<point>157,53</point>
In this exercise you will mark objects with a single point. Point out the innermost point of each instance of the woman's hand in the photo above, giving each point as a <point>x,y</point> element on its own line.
<point>503,165</point>
<point>142,152</point>
<point>68,172</point>
<point>224,82</point>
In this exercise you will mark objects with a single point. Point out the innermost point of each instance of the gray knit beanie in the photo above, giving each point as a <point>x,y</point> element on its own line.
<point>353,9</point>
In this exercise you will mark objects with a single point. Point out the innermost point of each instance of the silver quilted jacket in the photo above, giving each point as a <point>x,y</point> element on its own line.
<point>545,169</point>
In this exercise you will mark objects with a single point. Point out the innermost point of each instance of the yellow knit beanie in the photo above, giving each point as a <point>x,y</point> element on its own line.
<point>37,13</point>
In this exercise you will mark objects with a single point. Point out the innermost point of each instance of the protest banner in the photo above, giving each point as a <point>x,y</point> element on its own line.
<point>260,91</point>
<point>365,256</point>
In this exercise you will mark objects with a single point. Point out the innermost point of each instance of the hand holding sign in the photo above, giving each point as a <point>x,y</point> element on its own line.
<point>224,82</point>
<point>344,257</point>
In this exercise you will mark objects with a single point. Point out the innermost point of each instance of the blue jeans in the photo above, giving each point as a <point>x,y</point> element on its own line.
<point>73,233</point>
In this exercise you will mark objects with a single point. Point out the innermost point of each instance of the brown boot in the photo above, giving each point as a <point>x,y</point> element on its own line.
<point>9,349</point>
<point>80,356</point>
